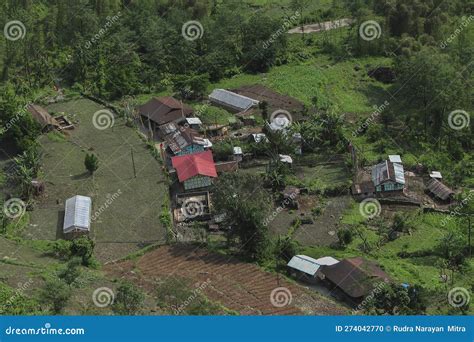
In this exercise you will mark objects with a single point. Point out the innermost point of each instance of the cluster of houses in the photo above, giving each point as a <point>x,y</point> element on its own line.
<point>388,178</point>
<point>186,143</point>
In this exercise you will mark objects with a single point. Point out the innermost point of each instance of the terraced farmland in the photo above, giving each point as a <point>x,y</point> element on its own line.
<point>238,286</point>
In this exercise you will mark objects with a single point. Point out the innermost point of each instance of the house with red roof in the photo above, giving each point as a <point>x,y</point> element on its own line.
<point>195,170</point>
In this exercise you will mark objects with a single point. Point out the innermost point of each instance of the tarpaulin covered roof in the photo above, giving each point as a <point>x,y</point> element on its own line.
<point>195,164</point>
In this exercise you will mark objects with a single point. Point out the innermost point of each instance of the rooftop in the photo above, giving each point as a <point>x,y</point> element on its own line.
<point>195,164</point>
<point>234,100</point>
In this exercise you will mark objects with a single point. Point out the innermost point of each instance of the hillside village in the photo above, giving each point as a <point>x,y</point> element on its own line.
<point>283,191</point>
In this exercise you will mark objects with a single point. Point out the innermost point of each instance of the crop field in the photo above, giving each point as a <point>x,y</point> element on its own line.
<point>126,208</point>
<point>241,287</point>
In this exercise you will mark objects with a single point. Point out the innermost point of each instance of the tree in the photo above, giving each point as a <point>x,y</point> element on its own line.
<point>72,271</point>
<point>345,236</point>
<point>129,299</point>
<point>395,299</point>
<point>91,162</point>
<point>55,294</point>
<point>245,207</point>
<point>83,247</point>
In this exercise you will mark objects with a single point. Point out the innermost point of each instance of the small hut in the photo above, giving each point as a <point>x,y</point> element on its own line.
<point>77,216</point>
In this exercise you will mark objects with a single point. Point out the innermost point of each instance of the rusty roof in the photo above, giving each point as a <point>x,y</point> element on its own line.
<point>164,109</point>
<point>439,189</point>
<point>355,276</point>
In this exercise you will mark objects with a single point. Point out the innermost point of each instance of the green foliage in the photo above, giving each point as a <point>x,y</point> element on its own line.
<point>55,295</point>
<point>394,299</point>
<point>345,236</point>
<point>72,271</point>
<point>15,302</point>
<point>91,163</point>
<point>129,299</point>
<point>83,247</point>
<point>246,208</point>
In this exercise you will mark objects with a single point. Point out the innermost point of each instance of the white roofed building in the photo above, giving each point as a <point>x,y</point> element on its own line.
<point>232,101</point>
<point>77,215</point>
<point>306,268</point>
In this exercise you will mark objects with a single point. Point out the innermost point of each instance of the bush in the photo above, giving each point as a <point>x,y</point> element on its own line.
<point>345,236</point>
<point>55,294</point>
<point>83,247</point>
<point>129,299</point>
<point>91,163</point>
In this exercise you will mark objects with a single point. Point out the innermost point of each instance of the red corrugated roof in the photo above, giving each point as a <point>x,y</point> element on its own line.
<point>195,164</point>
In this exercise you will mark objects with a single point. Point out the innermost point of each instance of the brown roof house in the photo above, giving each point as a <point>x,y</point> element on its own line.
<point>439,190</point>
<point>162,110</point>
<point>43,118</point>
<point>354,278</point>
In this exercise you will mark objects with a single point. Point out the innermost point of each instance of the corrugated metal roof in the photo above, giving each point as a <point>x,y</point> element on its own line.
<point>77,213</point>
<point>436,174</point>
<point>439,189</point>
<point>309,265</point>
<point>236,101</point>
<point>194,121</point>
<point>399,173</point>
<point>388,171</point>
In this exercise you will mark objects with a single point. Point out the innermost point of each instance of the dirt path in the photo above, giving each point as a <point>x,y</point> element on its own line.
<point>239,286</point>
<point>324,26</point>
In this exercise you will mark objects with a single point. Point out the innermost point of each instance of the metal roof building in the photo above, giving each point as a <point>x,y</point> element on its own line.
<point>395,158</point>
<point>309,265</point>
<point>388,171</point>
<point>232,100</point>
<point>77,215</point>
